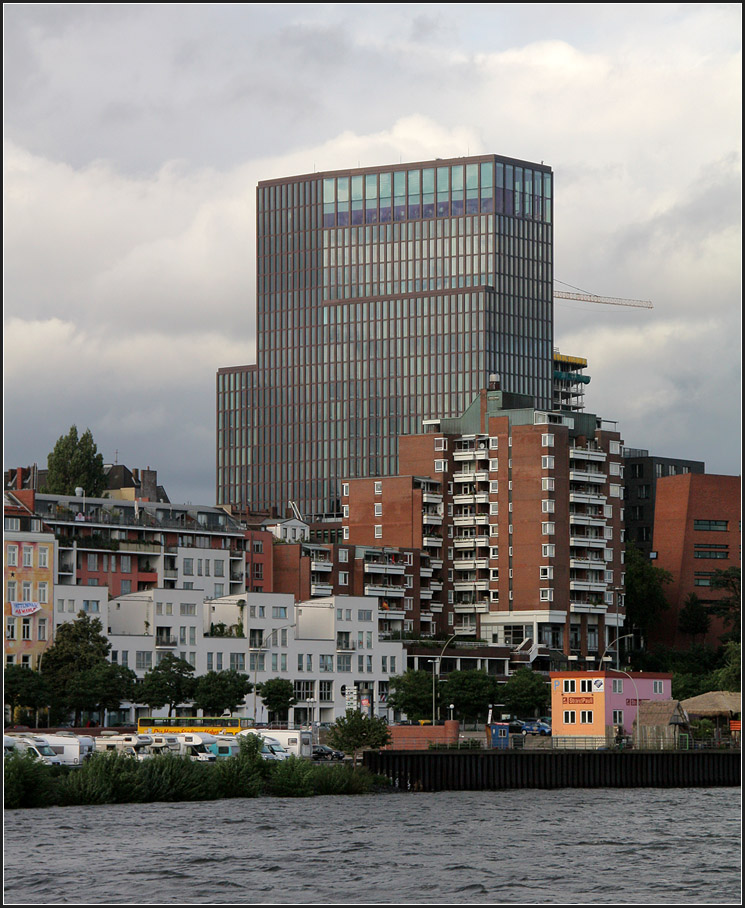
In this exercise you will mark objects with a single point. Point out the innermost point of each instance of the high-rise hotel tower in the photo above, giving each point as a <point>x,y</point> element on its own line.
<point>385,296</point>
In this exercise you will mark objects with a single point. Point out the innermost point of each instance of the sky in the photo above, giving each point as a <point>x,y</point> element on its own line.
<point>135,136</point>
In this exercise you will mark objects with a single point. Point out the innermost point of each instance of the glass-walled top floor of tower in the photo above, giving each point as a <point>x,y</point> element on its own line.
<point>481,185</point>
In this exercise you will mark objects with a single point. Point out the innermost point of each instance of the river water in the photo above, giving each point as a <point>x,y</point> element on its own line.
<point>570,846</point>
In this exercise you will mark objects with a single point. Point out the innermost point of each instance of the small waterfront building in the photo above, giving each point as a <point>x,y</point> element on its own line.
<point>601,705</point>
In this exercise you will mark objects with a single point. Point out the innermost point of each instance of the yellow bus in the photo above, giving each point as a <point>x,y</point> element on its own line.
<point>208,725</point>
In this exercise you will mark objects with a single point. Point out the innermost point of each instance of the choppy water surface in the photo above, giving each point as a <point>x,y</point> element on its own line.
<point>552,847</point>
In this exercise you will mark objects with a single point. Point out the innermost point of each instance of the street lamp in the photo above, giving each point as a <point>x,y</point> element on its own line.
<point>436,672</point>
<point>311,702</point>
<point>613,643</point>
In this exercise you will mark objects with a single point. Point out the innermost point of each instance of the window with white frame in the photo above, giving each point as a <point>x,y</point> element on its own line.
<point>547,462</point>
<point>11,556</point>
<point>585,717</point>
<point>618,717</point>
<point>657,687</point>
<point>547,595</point>
<point>493,442</point>
<point>43,556</point>
<point>345,511</point>
<point>547,440</point>
<point>440,466</point>
<point>345,490</point>
<point>548,551</point>
<point>548,506</point>
<point>378,488</point>
<point>344,578</point>
<point>546,572</point>
<point>585,686</point>
<point>547,483</point>
<point>345,532</point>
<point>378,531</point>
<point>617,685</point>
<point>441,444</point>
<point>570,717</point>
<point>28,556</point>
<point>494,465</point>
<point>548,529</point>
<point>569,686</point>
<point>43,592</point>
<point>378,509</point>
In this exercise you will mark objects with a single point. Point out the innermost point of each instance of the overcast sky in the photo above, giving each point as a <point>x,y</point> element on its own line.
<point>135,136</point>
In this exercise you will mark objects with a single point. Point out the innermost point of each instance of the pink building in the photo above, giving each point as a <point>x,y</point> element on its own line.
<point>593,704</point>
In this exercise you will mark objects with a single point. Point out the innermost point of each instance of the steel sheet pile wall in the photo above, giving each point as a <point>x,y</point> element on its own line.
<point>475,771</point>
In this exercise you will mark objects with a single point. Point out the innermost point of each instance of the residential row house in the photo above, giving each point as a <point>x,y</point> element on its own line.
<point>328,648</point>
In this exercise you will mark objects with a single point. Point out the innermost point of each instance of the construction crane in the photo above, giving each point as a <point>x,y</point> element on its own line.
<point>576,294</point>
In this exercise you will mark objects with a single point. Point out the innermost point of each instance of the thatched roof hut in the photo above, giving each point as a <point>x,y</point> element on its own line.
<point>715,704</point>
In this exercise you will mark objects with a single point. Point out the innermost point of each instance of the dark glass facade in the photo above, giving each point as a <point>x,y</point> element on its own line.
<point>385,296</point>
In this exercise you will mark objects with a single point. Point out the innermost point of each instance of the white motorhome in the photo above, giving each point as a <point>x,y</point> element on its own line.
<point>192,745</point>
<point>137,746</point>
<point>297,743</point>
<point>35,746</point>
<point>72,749</point>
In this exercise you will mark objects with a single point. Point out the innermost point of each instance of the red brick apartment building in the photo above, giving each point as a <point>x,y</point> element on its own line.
<point>526,524</point>
<point>696,532</point>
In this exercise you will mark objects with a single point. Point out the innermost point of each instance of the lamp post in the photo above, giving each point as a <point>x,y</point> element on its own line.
<point>257,649</point>
<point>612,643</point>
<point>310,701</point>
<point>436,668</point>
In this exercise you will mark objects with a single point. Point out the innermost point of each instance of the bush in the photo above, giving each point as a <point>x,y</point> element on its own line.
<point>341,778</point>
<point>169,777</point>
<point>107,778</point>
<point>27,782</point>
<point>291,778</point>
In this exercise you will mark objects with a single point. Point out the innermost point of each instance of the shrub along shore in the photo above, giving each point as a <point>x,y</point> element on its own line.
<point>112,778</point>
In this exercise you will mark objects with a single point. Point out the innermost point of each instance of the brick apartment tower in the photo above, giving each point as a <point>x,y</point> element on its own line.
<point>530,531</point>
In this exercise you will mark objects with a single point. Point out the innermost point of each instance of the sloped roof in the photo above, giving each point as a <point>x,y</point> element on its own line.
<point>714,703</point>
<point>661,713</point>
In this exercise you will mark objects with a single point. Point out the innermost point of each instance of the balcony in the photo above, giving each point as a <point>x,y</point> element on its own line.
<point>434,520</point>
<point>435,541</point>
<point>587,520</point>
<point>591,541</point>
<point>317,565</point>
<point>321,589</point>
<point>587,476</point>
<point>587,454</point>
<point>165,641</point>
<point>431,498</point>
<point>374,589</point>
<point>586,497</point>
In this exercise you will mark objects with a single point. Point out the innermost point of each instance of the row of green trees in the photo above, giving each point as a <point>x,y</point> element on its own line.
<point>470,693</point>
<point>76,677</point>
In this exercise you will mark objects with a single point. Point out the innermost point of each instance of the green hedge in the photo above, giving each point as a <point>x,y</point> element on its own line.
<point>110,778</point>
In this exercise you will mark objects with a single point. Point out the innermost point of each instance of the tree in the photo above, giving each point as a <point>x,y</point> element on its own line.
<point>170,683</point>
<point>78,646</point>
<point>278,695</point>
<point>526,693</point>
<point>101,687</point>
<point>693,618</point>
<point>356,731</point>
<point>729,607</point>
<point>729,677</point>
<point>216,692</point>
<point>24,688</point>
<point>75,462</point>
<point>470,692</point>
<point>645,595</point>
<point>411,693</point>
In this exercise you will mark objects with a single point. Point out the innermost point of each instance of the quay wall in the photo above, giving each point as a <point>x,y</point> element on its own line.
<point>494,770</point>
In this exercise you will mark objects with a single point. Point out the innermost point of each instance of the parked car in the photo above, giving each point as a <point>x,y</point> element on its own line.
<point>535,727</point>
<point>322,752</point>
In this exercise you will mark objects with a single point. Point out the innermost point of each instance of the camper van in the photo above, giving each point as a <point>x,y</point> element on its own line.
<point>35,746</point>
<point>137,746</point>
<point>72,750</point>
<point>297,743</point>
<point>194,746</point>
